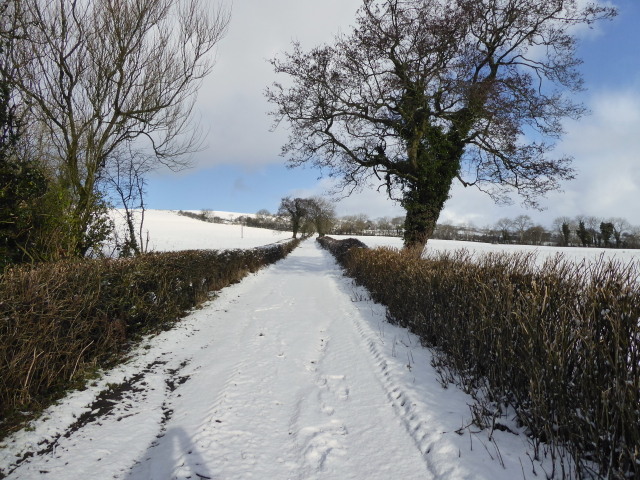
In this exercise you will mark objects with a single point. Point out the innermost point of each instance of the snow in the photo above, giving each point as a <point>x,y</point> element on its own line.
<point>576,254</point>
<point>169,231</point>
<point>291,374</point>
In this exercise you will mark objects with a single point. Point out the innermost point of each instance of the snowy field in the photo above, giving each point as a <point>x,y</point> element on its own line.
<point>291,374</point>
<point>169,231</point>
<point>542,252</point>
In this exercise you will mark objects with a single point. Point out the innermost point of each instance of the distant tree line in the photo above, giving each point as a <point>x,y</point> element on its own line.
<point>362,225</point>
<point>583,231</point>
<point>307,216</point>
<point>579,231</point>
<point>261,219</point>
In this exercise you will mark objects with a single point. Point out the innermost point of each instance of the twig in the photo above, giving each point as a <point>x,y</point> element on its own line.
<point>35,357</point>
<point>75,367</point>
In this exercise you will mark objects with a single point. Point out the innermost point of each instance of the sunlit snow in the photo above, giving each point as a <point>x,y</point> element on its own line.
<point>168,231</point>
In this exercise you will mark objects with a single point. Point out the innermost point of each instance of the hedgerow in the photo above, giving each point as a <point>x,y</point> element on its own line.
<point>60,320</point>
<point>559,344</point>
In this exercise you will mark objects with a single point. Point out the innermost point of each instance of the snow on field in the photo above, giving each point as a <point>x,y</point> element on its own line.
<point>543,252</point>
<point>169,231</point>
<point>291,374</point>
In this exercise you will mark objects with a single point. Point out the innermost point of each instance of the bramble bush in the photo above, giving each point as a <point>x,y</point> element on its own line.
<point>558,343</point>
<point>59,321</point>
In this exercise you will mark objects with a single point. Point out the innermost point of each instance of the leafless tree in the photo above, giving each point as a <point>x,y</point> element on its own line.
<point>592,224</point>
<point>398,223</point>
<point>126,178</point>
<point>103,76</point>
<point>384,226</point>
<point>563,227</point>
<point>322,214</point>
<point>631,238</point>
<point>504,226</point>
<point>535,235</point>
<point>296,211</point>
<point>446,231</point>
<point>424,92</point>
<point>520,225</point>
<point>621,226</point>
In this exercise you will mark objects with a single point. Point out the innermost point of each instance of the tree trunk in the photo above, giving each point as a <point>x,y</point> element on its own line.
<point>419,225</point>
<point>131,243</point>
<point>434,156</point>
<point>81,222</point>
<point>424,202</point>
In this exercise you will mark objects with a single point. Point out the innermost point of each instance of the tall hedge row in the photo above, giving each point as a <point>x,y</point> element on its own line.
<point>559,342</point>
<point>59,320</point>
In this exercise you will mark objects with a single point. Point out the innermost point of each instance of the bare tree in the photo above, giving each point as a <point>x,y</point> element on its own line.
<point>384,226</point>
<point>102,75</point>
<point>621,226</point>
<point>535,235</point>
<point>520,225</point>
<point>446,231</point>
<point>563,227</point>
<point>126,178</point>
<point>631,237</point>
<point>296,210</point>
<point>592,225</point>
<point>322,214</point>
<point>504,226</point>
<point>424,92</point>
<point>398,223</point>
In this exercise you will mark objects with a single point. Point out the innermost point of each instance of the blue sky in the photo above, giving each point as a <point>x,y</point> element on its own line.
<point>241,170</point>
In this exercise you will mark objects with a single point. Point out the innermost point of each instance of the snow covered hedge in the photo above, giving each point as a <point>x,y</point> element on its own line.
<point>557,344</point>
<point>60,320</point>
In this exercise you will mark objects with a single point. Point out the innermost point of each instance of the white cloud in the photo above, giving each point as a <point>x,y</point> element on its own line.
<point>231,100</point>
<point>606,150</point>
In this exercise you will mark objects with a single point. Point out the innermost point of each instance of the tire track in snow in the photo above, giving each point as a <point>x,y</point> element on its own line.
<point>347,381</point>
<point>402,401</point>
<point>398,397</point>
<point>117,403</point>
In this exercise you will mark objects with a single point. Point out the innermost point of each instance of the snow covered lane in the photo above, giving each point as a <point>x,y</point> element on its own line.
<point>288,375</point>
